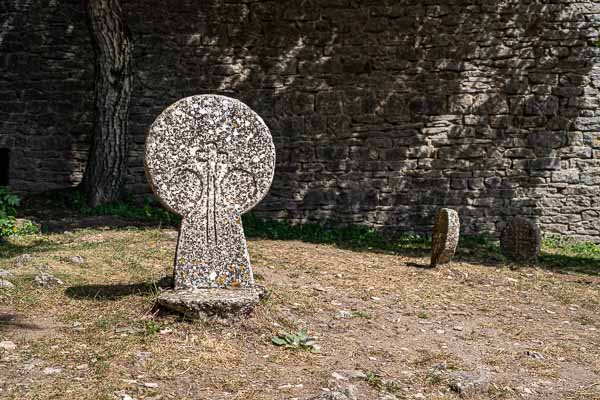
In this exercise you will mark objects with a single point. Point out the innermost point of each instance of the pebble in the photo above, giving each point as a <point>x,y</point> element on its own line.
<point>77,260</point>
<point>468,383</point>
<point>44,279</point>
<point>349,375</point>
<point>8,345</point>
<point>534,354</point>
<point>344,314</point>
<point>52,370</point>
<point>4,284</point>
<point>151,385</point>
<point>23,260</point>
<point>5,274</point>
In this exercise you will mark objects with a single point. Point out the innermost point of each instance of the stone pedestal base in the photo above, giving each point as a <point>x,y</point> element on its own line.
<point>203,303</point>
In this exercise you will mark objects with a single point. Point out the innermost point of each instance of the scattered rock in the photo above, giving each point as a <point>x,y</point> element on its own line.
<point>128,330</point>
<point>4,284</point>
<point>344,314</point>
<point>348,393</point>
<point>535,355</point>
<point>5,274</point>
<point>51,371</point>
<point>468,383</point>
<point>8,345</point>
<point>44,279</point>
<point>77,260</point>
<point>263,292</point>
<point>125,396</point>
<point>23,260</point>
<point>42,267</point>
<point>151,385</point>
<point>349,375</point>
<point>142,355</point>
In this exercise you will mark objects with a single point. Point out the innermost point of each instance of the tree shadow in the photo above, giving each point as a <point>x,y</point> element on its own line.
<point>9,321</point>
<point>9,250</point>
<point>118,291</point>
<point>382,113</point>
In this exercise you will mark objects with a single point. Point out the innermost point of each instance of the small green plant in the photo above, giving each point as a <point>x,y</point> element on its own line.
<point>300,340</point>
<point>433,377</point>
<point>361,314</point>
<point>422,315</point>
<point>151,328</point>
<point>8,211</point>
<point>374,379</point>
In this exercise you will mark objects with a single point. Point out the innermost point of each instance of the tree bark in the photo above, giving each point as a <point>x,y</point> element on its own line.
<point>103,177</point>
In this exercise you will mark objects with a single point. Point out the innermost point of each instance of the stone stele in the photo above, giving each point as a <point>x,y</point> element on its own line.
<point>521,240</point>
<point>446,232</point>
<point>210,159</point>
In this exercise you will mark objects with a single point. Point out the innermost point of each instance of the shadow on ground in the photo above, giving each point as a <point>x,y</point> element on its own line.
<point>117,291</point>
<point>8,249</point>
<point>9,321</point>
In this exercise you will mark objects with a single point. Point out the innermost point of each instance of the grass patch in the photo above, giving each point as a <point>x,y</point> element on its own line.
<point>558,253</point>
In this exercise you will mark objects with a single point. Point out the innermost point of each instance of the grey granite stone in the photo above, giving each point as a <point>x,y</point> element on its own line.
<point>446,232</point>
<point>46,280</point>
<point>210,159</point>
<point>521,240</point>
<point>4,284</point>
<point>22,260</point>
<point>203,303</point>
<point>470,383</point>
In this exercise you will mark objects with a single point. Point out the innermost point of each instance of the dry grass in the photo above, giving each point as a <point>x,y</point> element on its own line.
<point>100,328</point>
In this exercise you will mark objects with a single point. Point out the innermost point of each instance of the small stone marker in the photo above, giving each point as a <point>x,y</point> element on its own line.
<point>446,232</point>
<point>521,240</point>
<point>210,159</point>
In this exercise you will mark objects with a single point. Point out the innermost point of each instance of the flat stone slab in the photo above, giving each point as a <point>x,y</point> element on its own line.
<point>202,303</point>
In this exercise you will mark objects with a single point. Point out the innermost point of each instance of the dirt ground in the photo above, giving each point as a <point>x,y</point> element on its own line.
<point>402,330</point>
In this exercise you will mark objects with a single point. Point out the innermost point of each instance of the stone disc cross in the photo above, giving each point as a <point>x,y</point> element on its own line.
<point>209,159</point>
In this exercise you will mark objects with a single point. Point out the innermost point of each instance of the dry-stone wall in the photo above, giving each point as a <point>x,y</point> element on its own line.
<point>381,111</point>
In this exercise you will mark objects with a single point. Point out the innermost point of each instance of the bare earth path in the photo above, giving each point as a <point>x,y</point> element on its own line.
<point>535,333</point>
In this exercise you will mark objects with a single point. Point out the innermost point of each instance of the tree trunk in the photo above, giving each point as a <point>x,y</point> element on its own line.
<point>103,177</point>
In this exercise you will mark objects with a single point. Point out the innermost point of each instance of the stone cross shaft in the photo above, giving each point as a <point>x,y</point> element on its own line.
<point>210,159</point>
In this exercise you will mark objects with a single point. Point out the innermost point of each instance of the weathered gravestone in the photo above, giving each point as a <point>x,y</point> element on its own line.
<point>210,159</point>
<point>521,240</point>
<point>446,232</point>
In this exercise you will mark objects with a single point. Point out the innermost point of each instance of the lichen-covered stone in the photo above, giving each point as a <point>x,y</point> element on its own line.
<point>203,303</point>
<point>521,240</point>
<point>4,284</point>
<point>46,280</point>
<point>210,159</point>
<point>446,232</point>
